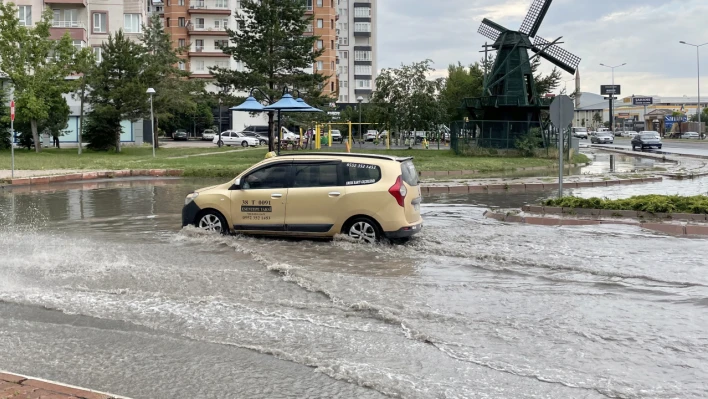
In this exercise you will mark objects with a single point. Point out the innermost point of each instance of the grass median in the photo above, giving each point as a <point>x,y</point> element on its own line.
<point>228,162</point>
<point>648,203</point>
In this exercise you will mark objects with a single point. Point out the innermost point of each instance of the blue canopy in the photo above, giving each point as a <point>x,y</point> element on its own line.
<point>287,103</point>
<point>250,105</point>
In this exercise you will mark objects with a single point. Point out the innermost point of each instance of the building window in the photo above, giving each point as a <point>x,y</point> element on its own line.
<point>332,65</point>
<point>362,69</point>
<point>100,22</point>
<point>331,86</point>
<point>200,23</point>
<point>343,41</point>
<point>363,84</point>
<point>180,65</point>
<point>167,23</point>
<point>199,45</point>
<point>78,44</point>
<point>132,23</point>
<point>238,4</point>
<point>343,84</point>
<point>24,14</point>
<point>331,23</point>
<point>181,22</point>
<point>98,54</point>
<point>320,44</point>
<point>343,69</point>
<point>199,65</point>
<point>309,5</point>
<point>331,44</point>
<point>362,27</point>
<point>222,64</point>
<point>319,3</point>
<point>320,66</point>
<point>181,43</point>
<point>362,12</point>
<point>320,23</point>
<point>180,2</point>
<point>344,54</point>
<point>222,4</point>
<point>362,56</point>
<point>221,23</point>
<point>220,44</point>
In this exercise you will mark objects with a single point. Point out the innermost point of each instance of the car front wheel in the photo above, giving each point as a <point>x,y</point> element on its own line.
<point>212,221</point>
<point>244,144</point>
<point>263,142</point>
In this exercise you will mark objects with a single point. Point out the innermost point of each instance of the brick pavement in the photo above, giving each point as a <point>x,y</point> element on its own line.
<point>14,386</point>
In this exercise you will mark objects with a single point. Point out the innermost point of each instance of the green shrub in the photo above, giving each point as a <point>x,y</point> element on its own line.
<point>653,203</point>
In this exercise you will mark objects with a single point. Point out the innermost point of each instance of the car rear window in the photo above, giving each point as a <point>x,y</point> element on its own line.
<point>358,174</point>
<point>410,175</point>
<point>648,135</point>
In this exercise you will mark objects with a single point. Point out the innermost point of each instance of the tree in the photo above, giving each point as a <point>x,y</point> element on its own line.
<point>704,116</point>
<point>461,82</point>
<point>5,139</point>
<point>33,62</point>
<point>597,118</point>
<point>544,84</point>
<point>273,49</point>
<point>174,93</point>
<point>405,98</point>
<point>84,64</point>
<point>117,91</point>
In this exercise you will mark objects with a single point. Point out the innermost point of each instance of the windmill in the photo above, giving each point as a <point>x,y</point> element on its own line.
<point>510,105</point>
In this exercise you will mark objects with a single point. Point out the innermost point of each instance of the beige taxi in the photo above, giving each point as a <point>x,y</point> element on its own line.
<point>367,197</point>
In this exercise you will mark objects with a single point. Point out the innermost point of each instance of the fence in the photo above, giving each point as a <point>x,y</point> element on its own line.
<point>467,137</point>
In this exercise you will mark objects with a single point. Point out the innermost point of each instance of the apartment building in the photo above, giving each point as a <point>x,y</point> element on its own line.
<point>324,20</point>
<point>356,49</point>
<point>89,22</point>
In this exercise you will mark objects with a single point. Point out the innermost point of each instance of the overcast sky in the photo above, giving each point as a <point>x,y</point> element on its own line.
<point>643,33</point>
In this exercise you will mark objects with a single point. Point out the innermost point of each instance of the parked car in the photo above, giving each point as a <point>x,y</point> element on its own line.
<point>646,140</point>
<point>180,134</point>
<point>630,134</point>
<point>603,138</point>
<point>230,138</point>
<point>371,135</point>
<point>337,136</point>
<point>258,129</point>
<point>691,135</point>
<point>208,134</point>
<point>261,140</point>
<point>366,197</point>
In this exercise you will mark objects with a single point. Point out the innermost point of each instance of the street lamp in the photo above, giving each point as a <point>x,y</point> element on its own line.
<point>612,96</point>
<point>698,64</point>
<point>151,91</point>
<point>219,143</point>
<point>360,99</point>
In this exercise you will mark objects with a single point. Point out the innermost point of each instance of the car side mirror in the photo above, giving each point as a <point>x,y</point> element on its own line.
<point>237,184</point>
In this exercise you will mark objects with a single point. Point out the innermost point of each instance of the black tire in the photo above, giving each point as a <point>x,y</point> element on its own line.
<point>244,144</point>
<point>263,142</point>
<point>220,143</point>
<point>363,229</point>
<point>634,147</point>
<point>211,220</point>
<point>642,147</point>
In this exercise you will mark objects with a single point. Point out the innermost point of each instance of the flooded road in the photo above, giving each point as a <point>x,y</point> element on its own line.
<point>99,287</point>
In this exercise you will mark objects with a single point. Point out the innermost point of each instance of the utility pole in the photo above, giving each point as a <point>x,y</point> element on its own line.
<point>612,96</point>
<point>698,67</point>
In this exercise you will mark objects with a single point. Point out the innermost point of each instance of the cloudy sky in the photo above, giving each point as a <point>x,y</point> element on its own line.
<point>643,33</point>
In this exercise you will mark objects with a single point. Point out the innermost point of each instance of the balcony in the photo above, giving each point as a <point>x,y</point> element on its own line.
<point>218,7</point>
<point>206,51</point>
<point>203,30</point>
<point>82,2</point>
<point>76,29</point>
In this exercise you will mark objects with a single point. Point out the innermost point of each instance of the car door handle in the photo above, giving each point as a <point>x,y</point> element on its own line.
<point>334,193</point>
<point>276,196</point>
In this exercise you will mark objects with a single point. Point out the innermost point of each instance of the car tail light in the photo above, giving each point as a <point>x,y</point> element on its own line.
<point>399,191</point>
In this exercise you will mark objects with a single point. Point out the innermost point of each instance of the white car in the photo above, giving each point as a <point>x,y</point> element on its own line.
<point>337,136</point>
<point>690,135</point>
<point>208,134</point>
<point>629,134</point>
<point>371,135</point>
<point>231,138</point>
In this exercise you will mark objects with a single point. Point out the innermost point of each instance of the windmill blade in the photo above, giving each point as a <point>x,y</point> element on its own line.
<point>564,59</point>
<point>534,17</point>
<point>490,29</point>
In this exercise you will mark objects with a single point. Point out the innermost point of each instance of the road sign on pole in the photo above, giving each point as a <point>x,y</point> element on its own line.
<point>12,137</point>
<point>562,111</point>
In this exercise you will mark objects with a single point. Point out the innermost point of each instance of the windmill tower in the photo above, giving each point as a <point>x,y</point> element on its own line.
<point>510,106</point>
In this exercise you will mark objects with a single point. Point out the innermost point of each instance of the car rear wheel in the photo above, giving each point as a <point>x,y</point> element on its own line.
<point>212,221</point>
<point>363,230</point>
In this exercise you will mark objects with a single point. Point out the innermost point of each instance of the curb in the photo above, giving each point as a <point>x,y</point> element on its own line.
<point>666,228</point>
<point>521,187</point>
<point>434,173</point>
<point>692,217</point>
<point>20,386</point>
<point>37,180</point>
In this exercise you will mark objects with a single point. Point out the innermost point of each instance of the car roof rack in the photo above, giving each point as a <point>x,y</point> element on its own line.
<point>350,154</point>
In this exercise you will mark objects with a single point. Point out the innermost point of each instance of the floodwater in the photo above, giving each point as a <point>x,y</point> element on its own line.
<point>99,287</point>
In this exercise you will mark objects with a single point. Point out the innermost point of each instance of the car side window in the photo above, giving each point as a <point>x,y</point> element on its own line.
<point>357,174</point>
<point>315,175</point>
<point>269,177</point>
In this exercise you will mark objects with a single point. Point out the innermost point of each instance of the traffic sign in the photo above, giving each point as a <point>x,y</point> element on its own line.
<point>562,111</point>
<point>610,89</point>
<point>12,110</point>
<point>642,100</point>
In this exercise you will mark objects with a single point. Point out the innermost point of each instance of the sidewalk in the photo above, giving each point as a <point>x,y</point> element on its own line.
<point>20,387</point>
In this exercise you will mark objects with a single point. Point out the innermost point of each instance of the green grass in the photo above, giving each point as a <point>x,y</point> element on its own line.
<point>229,164</point>
<point>648,203</point>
